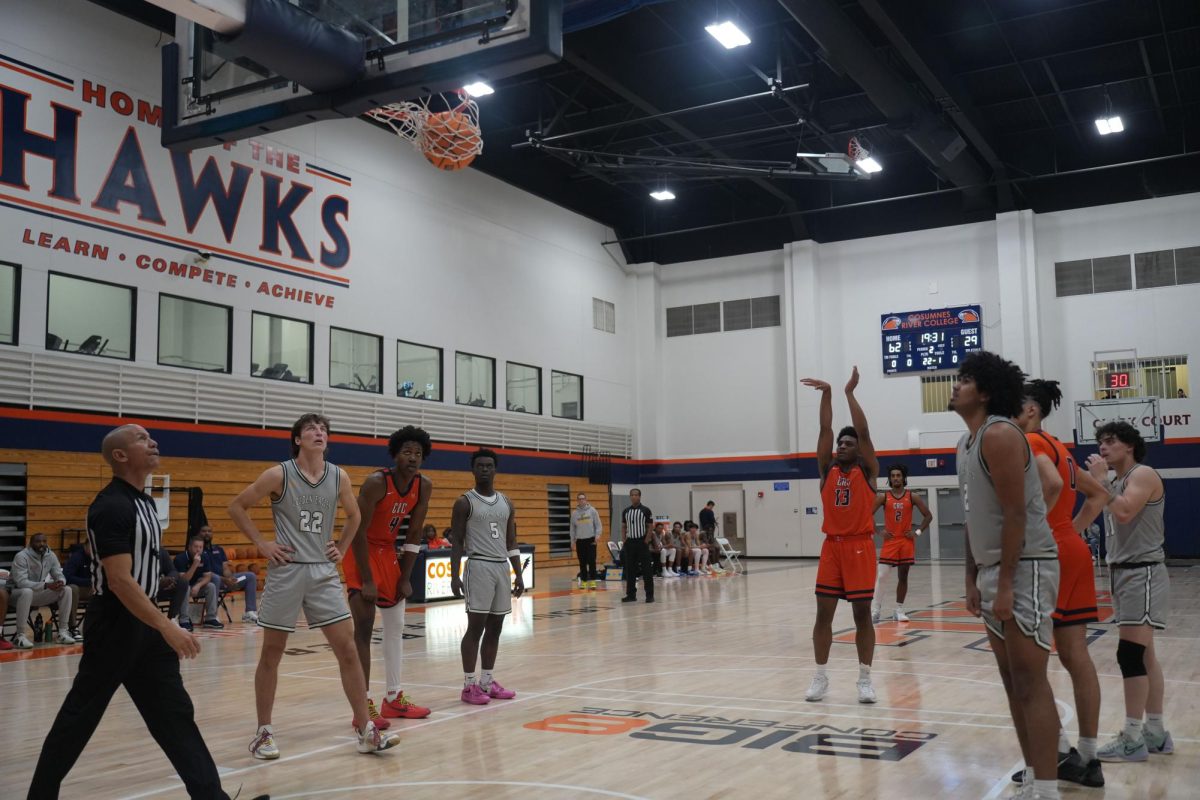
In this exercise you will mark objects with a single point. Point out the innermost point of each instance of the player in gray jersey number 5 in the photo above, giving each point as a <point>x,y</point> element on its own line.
<point>483,525</point>
<point>305,492</point>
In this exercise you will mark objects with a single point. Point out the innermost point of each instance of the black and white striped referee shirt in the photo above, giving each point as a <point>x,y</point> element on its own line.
<point>636,519</point>
<point>123,519</point>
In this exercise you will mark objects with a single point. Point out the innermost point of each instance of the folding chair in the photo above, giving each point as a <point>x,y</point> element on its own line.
<point>730,555</point>
<point>614,550</point>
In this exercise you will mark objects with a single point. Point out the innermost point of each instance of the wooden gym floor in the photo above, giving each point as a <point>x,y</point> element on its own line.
<point>697,696</point>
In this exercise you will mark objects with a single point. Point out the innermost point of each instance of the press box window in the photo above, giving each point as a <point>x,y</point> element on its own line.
<point>355,360</point>
<point>194,334</point>
<point>474,380</point>
<point>523,388</point>
<point>281,348</point>
<point>94,318</point>
<point>10,293</point>
<point>566,395</point>
<point>418,371</point>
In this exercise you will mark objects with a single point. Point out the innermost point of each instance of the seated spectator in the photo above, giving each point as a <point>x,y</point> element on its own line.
<point>654,543</point>
<point>191,569</point>
<point>37,580</point>
<point>435,541</point>
<point>669,551</point>
<point>172,589</point>
<point>699,554</point>
<point>708,540</point>
<point>216,562</point>
<point>78,570</point>
<point>5,644</point>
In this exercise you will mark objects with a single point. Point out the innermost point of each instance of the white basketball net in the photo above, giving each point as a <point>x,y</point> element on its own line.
<point>410,121</point>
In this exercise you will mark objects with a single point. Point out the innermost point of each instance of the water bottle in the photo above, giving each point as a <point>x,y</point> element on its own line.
<point>48,632</point>
<point>37,627</point>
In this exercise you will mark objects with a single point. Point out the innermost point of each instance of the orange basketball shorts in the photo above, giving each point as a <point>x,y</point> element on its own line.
<point>1076,585</point>
<point>898,551</point>
<point>385,570</point>
<point>847,567</point>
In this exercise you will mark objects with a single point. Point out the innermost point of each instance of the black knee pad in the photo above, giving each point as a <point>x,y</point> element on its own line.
<point>1131,658</point>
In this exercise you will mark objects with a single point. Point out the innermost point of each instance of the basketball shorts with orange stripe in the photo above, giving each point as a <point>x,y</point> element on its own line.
<point>1076,603</point>
<point>847,568</point>
<point>385,570</point>
<point>898,551</point>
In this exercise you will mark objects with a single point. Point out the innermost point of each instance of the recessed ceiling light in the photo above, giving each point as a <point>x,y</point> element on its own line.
<point>478,89</point>
<point>728,34</point>
<point>663,194</point>
<point>1109,125</point>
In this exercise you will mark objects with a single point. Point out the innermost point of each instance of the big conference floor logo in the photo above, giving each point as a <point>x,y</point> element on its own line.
<point>874,744</point>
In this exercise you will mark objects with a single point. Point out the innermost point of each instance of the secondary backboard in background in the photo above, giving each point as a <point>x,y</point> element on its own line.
<point>413,48</point>
<point>1141,412</point>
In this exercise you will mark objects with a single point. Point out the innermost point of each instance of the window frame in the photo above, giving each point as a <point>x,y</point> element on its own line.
<point>378,366</point>
<point>538,370</point>
<point>458,353</point>
<point>16,309</point>
<point>133,293</point>
<point>311,344</point>
<point>441,372</point>
<point>580,418</point>
<point>228,334</point>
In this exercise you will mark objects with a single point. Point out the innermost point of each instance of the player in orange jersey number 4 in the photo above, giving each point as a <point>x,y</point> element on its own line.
<point>375,577</point>
<point>847,567</point>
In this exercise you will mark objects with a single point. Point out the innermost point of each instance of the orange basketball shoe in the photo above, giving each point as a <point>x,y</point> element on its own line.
<point>403,708</point>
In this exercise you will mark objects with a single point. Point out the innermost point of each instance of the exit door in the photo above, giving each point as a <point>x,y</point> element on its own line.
<point>951,524</point>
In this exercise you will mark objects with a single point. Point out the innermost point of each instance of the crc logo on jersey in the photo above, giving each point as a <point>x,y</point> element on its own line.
<point>399,509</point>
<point>875,744</point>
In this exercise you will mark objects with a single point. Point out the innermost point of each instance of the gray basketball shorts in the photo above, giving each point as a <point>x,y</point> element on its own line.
<point>315,588</point>
<point>1141,595</point>
<point>488,586</point>
<point>1035,592</point>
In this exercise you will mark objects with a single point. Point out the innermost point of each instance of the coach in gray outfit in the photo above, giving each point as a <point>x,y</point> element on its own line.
<point>38,580</point>
<point>585,532</point>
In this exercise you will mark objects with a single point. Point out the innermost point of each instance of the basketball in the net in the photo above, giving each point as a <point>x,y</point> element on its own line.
<point>451,140</point>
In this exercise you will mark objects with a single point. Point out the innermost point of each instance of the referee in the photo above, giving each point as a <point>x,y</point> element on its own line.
<point>635,555</point>
<point>129,641</point>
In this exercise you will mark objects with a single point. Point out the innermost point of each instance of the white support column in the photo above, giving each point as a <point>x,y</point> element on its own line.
<point>1016,258</point>
<point>801,315</point>
<point>649,329</point>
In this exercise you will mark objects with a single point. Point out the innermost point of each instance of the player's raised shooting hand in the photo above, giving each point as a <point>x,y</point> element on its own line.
<point>815,383</point>
<point>852,384</point>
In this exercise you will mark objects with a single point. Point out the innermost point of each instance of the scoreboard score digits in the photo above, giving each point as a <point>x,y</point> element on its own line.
<point>927,341</point>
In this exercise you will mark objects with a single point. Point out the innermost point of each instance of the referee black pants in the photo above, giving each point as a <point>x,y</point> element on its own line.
<point>121,650</point>
<point>635,557</point>
<point>586,550</point>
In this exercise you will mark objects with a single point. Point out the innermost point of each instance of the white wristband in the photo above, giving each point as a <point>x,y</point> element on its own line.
<point>411,548</point>
<point>514,553</point>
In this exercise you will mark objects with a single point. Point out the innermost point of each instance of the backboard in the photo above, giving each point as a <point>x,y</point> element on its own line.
<point>1140,412</point>
<point>213,94</point>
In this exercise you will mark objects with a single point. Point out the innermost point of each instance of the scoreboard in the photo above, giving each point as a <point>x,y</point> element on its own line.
<point>927,341</point>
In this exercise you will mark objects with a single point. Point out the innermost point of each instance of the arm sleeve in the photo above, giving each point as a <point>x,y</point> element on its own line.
<point>112,523</point>
<point>20,572</point>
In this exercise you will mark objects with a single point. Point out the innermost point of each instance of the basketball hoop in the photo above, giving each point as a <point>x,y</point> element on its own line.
<point>855,150</point>
<point>443,127</point>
